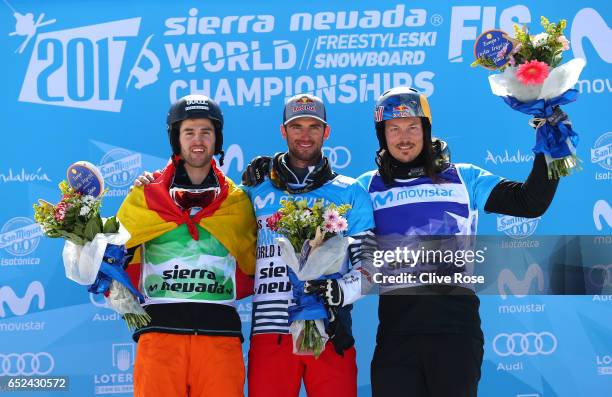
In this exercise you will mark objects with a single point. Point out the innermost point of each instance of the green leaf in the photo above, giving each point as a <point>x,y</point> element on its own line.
<point>111,225</point>
<point>93,227</point>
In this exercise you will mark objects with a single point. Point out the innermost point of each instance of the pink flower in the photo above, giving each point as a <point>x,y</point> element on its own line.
<point>534,72</point>
<point>330,215</point>
<point>329,227</point>
<point>60,211</point>
<point>564,43</point>
<point>341,225</point>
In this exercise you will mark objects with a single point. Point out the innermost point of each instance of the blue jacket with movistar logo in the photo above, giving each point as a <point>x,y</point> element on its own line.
<point>273,293</point>
<point>422,207</point>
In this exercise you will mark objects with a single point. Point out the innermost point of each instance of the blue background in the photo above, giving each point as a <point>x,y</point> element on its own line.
<point>41,138</point>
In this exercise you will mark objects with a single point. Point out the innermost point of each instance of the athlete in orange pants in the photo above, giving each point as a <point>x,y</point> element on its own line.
<point>279,371</point>
<point>208,365</point>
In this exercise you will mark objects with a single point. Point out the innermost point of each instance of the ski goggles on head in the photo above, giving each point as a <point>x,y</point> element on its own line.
<point>189,198</point>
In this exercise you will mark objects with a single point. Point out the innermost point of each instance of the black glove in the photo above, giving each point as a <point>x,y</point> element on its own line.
<point>338,333</point>
<point>329,290</point>
<point>256,171</point>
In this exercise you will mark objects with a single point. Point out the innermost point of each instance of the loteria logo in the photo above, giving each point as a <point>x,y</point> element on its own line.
<point>82,67</point>
<point>20,306</point>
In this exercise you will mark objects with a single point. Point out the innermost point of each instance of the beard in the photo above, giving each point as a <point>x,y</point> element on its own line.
<point>310,156</point>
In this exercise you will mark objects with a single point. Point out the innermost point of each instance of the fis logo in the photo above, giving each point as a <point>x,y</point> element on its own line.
<point>20,306</point>
<point>20,236</point>
<point>482,19</point>
<point>81,67</point>
<point>467,22</point>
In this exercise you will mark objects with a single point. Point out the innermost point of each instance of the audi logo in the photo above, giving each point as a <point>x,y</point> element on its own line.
<point>530,344</point>
<point>26,364</point>
<point>339,156</point>
<point>601,275</point>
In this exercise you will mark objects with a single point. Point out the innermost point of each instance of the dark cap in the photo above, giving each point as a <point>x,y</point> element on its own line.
<point>304,105</point>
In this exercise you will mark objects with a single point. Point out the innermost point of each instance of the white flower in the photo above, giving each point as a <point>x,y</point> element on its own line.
<point>84,210</point>
<point>305,216</point>
<point>539,39</point>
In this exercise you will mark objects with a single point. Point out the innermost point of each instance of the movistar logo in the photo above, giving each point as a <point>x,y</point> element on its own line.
<point>20,306</point>
<point>424,193</point>
<point>380,199</point>
<point>397,196</point>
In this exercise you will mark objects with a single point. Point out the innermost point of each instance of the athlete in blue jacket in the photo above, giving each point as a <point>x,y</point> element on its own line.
<point>429,341</point>
<point>304,173</point>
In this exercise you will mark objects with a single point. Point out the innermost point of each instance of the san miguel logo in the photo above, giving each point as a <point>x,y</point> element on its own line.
<point>82,67</point>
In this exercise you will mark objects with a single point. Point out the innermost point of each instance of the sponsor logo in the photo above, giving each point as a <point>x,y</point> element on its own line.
<point>604,364</point>
<point>120,167</point>
<point>588,23</point>
<point>519,288</point>
<point>339,156</point>
<point>519,309</point>
<point>100,302</point>
<point>601,154</point>
<point>484,18</point>
<point>123,356</point>
<point>24,176</point>
<point>81,67</point>
<point>260,203</point>
<point>508,157</point>
<point>428,193</point>
<point>366,19</point>
<point>521,344</point>
<point>601,276</point>
<point>233,154</point>
<point>20,306</point>
<point>602,210</point>
<point>515,227</point>
<point>304,99</point>
<point>304,108</point>
<point>118,382</point>
<point>26,364</point>
<point>20,236</point>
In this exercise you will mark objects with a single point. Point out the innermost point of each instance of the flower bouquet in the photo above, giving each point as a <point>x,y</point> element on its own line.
<point>94,252</point>
<point>533,81</point>
<point>313,247</point>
